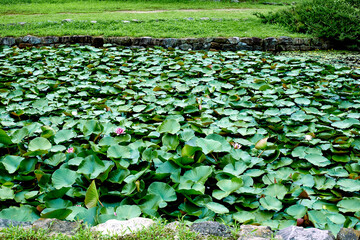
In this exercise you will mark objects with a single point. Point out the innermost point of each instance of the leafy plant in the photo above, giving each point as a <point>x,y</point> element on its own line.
<point>245,136</point>
<point>335,20</point>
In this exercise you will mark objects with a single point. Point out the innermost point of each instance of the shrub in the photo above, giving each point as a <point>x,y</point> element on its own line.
<point>334,20</point>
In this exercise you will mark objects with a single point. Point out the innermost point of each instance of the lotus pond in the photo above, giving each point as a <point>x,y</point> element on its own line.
<point>115,133</point>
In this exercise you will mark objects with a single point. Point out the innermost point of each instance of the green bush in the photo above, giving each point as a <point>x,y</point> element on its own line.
<point>334,20</point>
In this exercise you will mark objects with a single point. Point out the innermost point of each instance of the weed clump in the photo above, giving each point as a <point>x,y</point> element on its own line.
<point>334,20</point>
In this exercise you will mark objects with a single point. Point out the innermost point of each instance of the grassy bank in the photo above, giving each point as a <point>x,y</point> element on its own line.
<point>155,19</point>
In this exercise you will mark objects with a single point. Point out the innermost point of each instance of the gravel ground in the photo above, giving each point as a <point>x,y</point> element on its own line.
<point>351,59</point>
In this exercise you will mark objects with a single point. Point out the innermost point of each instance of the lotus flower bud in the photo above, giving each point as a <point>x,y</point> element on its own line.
<point>261,144</point>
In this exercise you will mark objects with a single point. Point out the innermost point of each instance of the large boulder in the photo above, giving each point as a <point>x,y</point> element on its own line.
<point>121,228</point>
<point>300,233</point>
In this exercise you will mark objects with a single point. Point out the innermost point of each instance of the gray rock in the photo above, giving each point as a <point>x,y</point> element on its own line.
<point>67,20</point>
<point>285,40</point>
<point>211,228</point>
<point>93,22</point>
<point>300,233</point>
<point>170,42</point>
<point>55,226</point>
<point>31,40</point>
<point>348,234</point>
<point>252,231</point>
<point>185,46</point>
<point>189,18</point>
<point>9,41</point>
<point>126,21</point>
<point>243,46</point>
<point>113,227</point>
<point>204,18</point>
<point>22,23</point>
<point>234,40</point>
<point>50,40</point>
<point>270,44</point>
<point>4,223</point>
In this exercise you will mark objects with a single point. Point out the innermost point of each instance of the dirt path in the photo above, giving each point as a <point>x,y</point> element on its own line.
<point>146,12</point>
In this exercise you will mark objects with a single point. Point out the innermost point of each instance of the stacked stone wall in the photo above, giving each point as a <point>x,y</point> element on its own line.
<point>216,43</point>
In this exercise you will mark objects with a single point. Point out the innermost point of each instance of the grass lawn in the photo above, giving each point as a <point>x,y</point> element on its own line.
<point>156,19</point>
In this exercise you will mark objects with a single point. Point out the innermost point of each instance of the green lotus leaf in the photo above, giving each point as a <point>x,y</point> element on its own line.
<point>4,138</point>
<point>318,160</point>
<point>12,163</point>
<point>271,203</point>
<point>117,151</point>
<point>23,213</point>
<point>243,216</point>
<point>169,126</point>
<point>126,212</point>
<point>56,159</point>
<point>235,169</point>
<point>63,178</point>
<point>47,132</point>
<point>91,196</point>
<point>166,192</point>
<point>276,190</point>
<point>217,207</point>
<point>57,213</point>
<point>209,145</point>
<point>64,136</point>
<point>349,185</point>
<point>227,186</point>
<point>6,193</point>
<point>39,143</point>
<point>170,141</point>
<point>351,204</point>
<point>296,211</point>
<point>18,135</point>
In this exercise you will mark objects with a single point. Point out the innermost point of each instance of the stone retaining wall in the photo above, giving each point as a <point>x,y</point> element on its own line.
<point>217,43</point>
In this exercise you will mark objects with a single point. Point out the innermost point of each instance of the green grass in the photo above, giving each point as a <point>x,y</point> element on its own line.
<point>157,231</point>
<point>45,18</point>
<point>85,6</point>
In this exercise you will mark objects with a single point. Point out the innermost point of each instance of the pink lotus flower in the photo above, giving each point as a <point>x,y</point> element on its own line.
<point>119,131</point>
<point>236,145</point>
<point>70,150</point>
<point>115,214</point>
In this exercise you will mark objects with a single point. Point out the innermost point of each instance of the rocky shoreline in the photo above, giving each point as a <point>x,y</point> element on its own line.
<point>213,43</point>
<point>203,229</point>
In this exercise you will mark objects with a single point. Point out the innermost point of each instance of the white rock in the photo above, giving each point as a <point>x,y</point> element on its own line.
<point>113,227</point>
<point>300,233</point>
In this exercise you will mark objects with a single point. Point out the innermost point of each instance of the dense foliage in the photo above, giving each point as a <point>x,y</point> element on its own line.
<point>115,133</point>
<point>335,20</point>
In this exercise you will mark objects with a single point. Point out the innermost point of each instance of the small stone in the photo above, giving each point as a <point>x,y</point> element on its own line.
<point>176,225</point>
<point>55,226</point>
<point>67,20</point>
<point>300,233</point>
<point>126,21</point>
<point>135,20</point>
<point>247,231</point>
<point>211,228</point>
<point>204,18</point>
<point>348,234</point>
<point>189,18</point>
<point>93,22</point>
<point>113,227</point>
<point>22,23</point>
